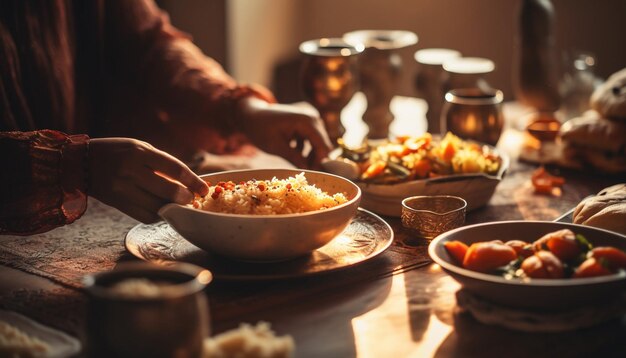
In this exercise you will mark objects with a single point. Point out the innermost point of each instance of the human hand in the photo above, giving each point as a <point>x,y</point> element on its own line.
<point>123,174</point>
<point>275,128</point>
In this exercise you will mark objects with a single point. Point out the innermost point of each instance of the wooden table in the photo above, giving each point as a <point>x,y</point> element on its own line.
<point>410,313</point>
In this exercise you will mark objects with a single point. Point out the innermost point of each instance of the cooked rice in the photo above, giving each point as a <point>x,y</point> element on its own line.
<point>137,288</point>
<point>249,341</point>
<point>16,343</point>
<point>268,197</point>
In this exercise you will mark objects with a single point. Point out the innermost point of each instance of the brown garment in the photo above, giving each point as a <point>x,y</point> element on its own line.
<point>104,68</point>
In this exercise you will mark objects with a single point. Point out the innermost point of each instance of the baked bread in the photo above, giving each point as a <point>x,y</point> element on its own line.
<point>595,141</point>
<point>607,210</point>
<point>609,99</point>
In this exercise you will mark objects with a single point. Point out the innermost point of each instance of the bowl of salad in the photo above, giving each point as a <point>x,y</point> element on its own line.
<point>535,264</point>
<point>407,166</point>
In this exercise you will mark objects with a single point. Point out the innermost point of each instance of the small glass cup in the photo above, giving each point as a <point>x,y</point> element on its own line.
<point>429,216</point>
<point>162,313</point>
<point>543,128</point>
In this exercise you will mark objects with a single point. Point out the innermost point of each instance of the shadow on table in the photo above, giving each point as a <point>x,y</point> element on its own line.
<point>316,312</point>
<point>471,338</point>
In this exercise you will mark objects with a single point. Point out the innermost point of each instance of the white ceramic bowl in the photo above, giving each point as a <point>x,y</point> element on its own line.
<point>532,293</point>
<point>386,199</point>
<point>266,237</point>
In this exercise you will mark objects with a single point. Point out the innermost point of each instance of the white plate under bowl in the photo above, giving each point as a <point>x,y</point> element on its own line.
<point>553,294</point>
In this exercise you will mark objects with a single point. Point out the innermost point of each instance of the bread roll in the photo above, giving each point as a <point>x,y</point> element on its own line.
<point>607,210</point>
<point>596,141</point>
<point>592,131</point>
<point>609,99</point>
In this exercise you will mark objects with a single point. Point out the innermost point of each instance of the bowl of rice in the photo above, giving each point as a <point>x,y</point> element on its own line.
<point>266,214</point>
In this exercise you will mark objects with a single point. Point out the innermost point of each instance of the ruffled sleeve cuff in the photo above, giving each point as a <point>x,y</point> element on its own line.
<point>48,181</point>
<point>73,176</point>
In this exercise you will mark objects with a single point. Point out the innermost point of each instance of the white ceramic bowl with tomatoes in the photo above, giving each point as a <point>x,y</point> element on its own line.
<point>573,287</point>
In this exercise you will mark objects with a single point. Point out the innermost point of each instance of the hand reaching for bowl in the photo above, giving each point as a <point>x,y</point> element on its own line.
<point>138,179</point>
<point>275,127</point>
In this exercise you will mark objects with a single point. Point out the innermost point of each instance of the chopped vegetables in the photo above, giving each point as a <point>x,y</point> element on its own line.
<point>544,182</point>
<point>543,264</point>
<point>558,254</point>
<point>487,256</point>
<point>457,249</point>
<point>409,158</point>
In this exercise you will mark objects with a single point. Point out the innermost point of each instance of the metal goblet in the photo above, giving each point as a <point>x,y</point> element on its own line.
<point>328,79</point>
<point>380,68</point>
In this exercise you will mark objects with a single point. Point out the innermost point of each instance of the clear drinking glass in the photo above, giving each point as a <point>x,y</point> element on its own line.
<point>544,127</point>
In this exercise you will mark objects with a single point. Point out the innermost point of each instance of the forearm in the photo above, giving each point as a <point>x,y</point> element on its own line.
<point>43,181</point>
<point>172,73</point>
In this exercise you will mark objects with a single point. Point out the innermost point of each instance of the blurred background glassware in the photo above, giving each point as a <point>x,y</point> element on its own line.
<point>429,216</point>
<point>544,128</point>
<point>329,79</point>
<point>578,83</point>
<point>172,322</point>
<point>536,76</point>
<point>474,114</point>
<point>468,72</point>
<point>429,82</point>
<point>380,68</point>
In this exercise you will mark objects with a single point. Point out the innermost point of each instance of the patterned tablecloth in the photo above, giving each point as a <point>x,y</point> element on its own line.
<point>96,243</point>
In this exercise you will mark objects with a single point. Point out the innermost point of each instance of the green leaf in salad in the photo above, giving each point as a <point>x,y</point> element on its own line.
<point>583,242</point>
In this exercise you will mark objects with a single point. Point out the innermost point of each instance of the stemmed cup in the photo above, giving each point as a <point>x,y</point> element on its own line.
<point>329,79</point>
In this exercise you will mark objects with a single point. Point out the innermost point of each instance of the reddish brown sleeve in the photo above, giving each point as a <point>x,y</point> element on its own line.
<point>43,180</point>
<point>165,64</point>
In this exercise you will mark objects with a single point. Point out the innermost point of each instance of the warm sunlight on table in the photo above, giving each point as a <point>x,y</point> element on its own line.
<point>417,324</point>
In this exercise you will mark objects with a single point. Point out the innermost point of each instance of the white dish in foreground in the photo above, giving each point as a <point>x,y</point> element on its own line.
<point>61,344</point>
<point>554,294</point>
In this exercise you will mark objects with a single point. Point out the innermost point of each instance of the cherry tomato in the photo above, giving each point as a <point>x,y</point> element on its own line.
<point>544,182</point>
<point>522,248</point>
<point>543,264</point>
<point>563,244</point>
<point>591,267</point>
<point>487,256</point>
<point>456,249</point>
<point>615,258</point>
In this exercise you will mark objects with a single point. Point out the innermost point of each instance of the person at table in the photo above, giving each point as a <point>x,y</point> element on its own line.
<point>78,78</point>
